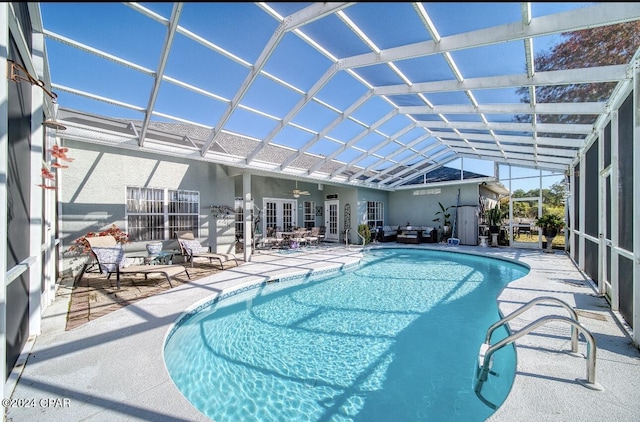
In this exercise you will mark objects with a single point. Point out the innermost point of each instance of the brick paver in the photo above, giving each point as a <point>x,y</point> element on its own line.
<point>95,296</point>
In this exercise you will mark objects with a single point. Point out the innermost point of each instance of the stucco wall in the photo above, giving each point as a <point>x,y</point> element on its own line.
<point>92,192</point>
<point>418,206</point>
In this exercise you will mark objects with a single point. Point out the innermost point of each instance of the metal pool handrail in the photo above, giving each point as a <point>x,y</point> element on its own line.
<point>529,305</point>
<point>346,237</point>
<point>487,350</point>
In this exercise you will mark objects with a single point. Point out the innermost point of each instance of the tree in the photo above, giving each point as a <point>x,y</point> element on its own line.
<point>556,194</point>
<point>601,46</point>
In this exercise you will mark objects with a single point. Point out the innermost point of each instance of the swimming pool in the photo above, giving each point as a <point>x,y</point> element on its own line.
<point>395,338</point>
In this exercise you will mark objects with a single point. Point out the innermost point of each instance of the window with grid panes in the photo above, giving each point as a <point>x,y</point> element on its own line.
<point>287,215</point>
<point>156,213</point>
<point>270,215</point>
<point>309,217</point>
<point>239,208</point>
<point>375,214</point>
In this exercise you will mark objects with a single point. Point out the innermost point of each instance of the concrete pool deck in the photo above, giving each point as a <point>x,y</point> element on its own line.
<point>112,368</point>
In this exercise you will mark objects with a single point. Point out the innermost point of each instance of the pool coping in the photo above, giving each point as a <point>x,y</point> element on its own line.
<point>112,369</point>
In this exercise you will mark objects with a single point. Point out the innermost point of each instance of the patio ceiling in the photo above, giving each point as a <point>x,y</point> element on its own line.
<point>372,94</point>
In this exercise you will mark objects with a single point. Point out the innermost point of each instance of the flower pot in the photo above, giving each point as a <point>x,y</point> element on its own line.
<point>549,244</point>
<point>154,248</point>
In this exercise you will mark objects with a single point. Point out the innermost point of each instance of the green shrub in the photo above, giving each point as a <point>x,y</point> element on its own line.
<point>365,231</point>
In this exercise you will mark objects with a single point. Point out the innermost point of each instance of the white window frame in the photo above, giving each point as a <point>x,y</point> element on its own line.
<point>375,213</point>
<point>173,209</point>
<point>309,214</point>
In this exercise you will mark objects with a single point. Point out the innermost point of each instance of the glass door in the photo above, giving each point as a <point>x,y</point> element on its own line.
<point>331,221</point>
<point>522,230</point>
<point>279,213</point>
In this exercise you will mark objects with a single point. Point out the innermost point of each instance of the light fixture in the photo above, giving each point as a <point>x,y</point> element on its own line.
<point>13,73</point>
<point>296,195</point>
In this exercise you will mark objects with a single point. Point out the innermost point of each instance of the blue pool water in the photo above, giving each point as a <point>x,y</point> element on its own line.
<point>394,339</point>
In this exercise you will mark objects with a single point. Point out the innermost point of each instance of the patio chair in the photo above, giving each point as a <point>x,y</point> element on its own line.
<point>191,248</point>
<point>313,236</point>
<point>109,258</point>
<point>298,238</point>
<point>269,240</point>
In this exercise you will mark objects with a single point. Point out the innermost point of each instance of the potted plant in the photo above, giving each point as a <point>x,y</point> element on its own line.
<point>494,218</point>
<point>444,218</point>
<point>550,224</point>
<point>81,246</point>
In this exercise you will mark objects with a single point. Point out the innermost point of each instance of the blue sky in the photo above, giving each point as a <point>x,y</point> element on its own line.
<point>242,30</point>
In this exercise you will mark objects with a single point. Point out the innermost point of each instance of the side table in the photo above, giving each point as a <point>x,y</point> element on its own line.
<point>161,258</point>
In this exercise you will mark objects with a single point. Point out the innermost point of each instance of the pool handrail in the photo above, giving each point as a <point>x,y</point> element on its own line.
<point>529,305</point>
<point>346,237</point>
<point>487,350</point>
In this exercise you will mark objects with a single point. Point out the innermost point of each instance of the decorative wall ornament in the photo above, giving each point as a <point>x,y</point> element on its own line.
<point>223,211</point>
<point>319,211</point>
<point>347,217</point>
<point>49,178</point>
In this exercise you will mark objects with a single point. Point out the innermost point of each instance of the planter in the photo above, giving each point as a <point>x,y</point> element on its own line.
<point>154,248</point>
<point>494,229</point>
<point>549,244</point>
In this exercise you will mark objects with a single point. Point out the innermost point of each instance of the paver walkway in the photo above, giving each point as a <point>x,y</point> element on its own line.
<point>95,296</point>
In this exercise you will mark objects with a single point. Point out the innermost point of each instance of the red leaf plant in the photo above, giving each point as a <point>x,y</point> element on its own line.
<point>81,245</point>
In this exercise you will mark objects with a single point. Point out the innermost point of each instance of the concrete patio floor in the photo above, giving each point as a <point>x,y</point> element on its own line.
<point>112,368</point>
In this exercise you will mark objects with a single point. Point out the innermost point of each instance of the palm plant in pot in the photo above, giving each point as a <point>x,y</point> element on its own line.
<point>494,219</point>
<point>444,217</point>
<point>550,224</point>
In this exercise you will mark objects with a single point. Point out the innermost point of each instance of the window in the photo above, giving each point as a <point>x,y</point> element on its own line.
<point>375,214</point>
<point>156,214</point>
<point>239,210</point>
<point>239,217</point>
<point>309,218</point>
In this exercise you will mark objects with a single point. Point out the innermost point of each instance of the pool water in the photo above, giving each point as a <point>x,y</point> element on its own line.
<point>395,338</point>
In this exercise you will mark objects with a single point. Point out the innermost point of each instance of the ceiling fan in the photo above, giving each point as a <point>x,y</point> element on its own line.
<point>297,192</point>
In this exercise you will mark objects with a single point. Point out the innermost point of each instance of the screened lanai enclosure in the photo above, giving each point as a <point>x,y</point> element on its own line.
<point>362,104</point>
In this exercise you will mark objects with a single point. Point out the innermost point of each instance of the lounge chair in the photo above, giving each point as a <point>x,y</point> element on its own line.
<point>109,258</point>
<point>191,248</point>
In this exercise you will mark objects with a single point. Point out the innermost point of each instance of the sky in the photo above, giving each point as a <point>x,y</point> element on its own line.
<point>239,32</point>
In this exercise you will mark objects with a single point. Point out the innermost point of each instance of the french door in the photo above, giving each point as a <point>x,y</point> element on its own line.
<point>279,213</point>
<point>332,221</point>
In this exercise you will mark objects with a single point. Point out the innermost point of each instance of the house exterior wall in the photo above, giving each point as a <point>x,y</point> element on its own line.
<point>419,206</point>
<point>93,191</point>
